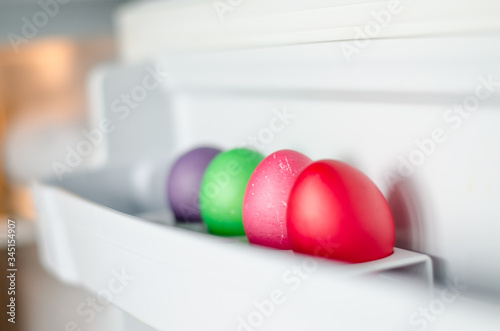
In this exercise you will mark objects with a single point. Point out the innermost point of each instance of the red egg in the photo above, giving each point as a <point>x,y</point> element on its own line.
<point>336,211</point>
<point>265,202</point>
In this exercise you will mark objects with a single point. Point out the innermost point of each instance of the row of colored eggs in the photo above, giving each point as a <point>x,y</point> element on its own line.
<point>285,201</point>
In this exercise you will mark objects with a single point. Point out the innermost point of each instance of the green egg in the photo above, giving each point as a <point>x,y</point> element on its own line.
<point>223,188</point>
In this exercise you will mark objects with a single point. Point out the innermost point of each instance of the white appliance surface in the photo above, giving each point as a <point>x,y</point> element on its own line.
<point>415,108</point>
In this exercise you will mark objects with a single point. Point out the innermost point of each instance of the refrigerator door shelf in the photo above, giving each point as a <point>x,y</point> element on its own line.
<point>161,275</point>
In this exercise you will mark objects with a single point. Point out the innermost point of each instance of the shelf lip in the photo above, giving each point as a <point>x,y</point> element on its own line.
<point>440,72</point>
<point>196,27</point>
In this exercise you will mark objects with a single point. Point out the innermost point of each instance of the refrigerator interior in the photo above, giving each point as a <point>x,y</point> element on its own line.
<point>416,110</point>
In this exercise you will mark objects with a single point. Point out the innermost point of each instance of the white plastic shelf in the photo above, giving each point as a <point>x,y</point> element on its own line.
<point>173,273</point>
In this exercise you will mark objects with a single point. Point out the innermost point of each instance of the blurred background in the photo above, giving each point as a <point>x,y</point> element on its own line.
<point>43,82</point>
<point>43,105</point>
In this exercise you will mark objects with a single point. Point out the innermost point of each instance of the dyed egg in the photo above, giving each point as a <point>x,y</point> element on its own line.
<point>223,188</point>
<point>266,197</point>
<point>337,212</point>
<point>184,183</point>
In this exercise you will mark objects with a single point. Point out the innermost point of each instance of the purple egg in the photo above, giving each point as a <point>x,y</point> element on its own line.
<point>184,183</point>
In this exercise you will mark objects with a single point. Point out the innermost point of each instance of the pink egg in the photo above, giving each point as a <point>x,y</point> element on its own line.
<point>266,198</point>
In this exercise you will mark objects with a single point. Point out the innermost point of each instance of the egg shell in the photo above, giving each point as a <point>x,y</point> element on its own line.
<point>337,212</point>
<point>266,198</point>
<point>184,181</point>
<point>223,188</point>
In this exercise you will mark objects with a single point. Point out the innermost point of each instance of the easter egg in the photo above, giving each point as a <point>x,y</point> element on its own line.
<point>336,211</point>
<point>184,181</point>
<point>266,198</point>
<point>223,188</point>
